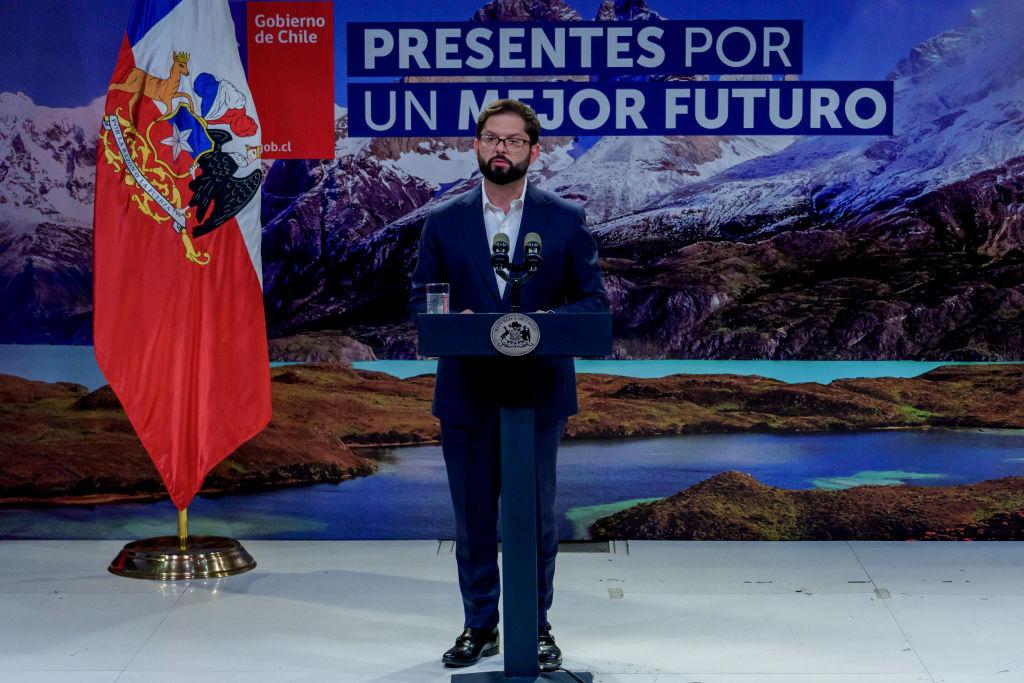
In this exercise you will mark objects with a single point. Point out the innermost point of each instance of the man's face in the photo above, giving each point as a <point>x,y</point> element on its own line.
<point>498,162</point>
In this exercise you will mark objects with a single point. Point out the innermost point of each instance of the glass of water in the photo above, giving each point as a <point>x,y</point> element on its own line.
<point>437,297</point>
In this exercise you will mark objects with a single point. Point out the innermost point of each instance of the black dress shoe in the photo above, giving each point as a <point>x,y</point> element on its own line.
<point>473,644</point>
<point>549,656</point>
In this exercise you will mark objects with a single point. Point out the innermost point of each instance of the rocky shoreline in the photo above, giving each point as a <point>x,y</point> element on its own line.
<point>64,445</point>
<point>734,506</point>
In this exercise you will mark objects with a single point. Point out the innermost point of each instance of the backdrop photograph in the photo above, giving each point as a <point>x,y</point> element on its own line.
<point>817,327</point>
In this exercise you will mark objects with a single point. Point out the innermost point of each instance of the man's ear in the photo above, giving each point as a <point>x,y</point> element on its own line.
<point>534,152</point>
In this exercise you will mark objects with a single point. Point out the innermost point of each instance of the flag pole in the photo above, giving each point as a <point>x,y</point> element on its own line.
<point>161,400</point>
<point>183,529</point>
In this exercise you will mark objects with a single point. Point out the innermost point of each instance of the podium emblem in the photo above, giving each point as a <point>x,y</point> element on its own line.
<point>515,334</point>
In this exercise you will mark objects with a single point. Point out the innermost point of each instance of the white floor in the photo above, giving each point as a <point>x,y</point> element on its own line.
<point>384,611</point>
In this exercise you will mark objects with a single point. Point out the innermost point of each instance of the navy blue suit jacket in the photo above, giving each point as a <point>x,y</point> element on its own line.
<point>453,248</point>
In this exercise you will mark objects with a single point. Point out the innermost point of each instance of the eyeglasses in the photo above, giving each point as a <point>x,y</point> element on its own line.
<point>511,144</point>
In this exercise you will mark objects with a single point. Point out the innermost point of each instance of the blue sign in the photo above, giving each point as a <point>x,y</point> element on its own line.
<point>575,48</point>
<point>629,108</point>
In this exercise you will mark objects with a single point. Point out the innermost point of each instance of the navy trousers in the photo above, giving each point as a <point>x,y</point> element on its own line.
<point>472,458</point>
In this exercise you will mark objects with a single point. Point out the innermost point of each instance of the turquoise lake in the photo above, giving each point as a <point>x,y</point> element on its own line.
<point>408,497</point>
<point>78,364</point>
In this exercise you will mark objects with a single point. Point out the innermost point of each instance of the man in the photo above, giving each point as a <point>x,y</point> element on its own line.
<point>455,248</point>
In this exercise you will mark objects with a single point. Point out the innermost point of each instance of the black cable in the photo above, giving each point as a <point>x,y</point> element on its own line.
<point>574,676</point>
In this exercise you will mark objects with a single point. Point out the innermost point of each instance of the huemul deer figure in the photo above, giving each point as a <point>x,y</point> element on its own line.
<point>162,90</point>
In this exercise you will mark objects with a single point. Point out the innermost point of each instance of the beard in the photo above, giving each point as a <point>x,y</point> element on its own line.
<point>502,175</point>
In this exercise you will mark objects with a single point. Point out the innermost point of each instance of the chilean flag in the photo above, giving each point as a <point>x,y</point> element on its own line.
<point>178,308</point>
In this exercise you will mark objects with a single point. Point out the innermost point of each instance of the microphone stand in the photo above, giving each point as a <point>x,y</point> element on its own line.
<point>516,275</point>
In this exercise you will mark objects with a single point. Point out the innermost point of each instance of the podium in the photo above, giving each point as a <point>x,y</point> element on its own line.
<point>522,336</point>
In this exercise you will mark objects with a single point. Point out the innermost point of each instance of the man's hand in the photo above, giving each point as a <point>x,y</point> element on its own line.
<point>467,311</point>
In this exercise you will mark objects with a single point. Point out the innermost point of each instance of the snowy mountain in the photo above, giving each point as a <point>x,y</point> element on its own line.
<point>47,170</point>
<point>907,246</point>
<point>317,216</point>
<point>626,10</point>
<point>49,161</point>
<point>620,175</point>
<point>526,10</point>
<point>910,246</point>
<point>959,111</point>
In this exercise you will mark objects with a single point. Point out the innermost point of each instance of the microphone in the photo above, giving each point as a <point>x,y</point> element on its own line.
<point>532,257</point>
<point>499,251</point>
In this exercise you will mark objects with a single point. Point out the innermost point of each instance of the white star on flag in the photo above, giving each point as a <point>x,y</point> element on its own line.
<point>178,141</point>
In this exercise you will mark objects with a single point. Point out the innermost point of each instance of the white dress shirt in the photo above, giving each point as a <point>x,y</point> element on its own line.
<point>496,220</point>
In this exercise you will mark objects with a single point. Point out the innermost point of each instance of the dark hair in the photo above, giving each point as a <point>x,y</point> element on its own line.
<point>524,111</point>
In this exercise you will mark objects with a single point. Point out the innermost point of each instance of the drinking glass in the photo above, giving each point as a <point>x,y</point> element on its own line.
<point>437,297</point>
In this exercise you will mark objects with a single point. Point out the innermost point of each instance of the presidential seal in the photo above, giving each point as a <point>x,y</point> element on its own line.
<point>515,334</point>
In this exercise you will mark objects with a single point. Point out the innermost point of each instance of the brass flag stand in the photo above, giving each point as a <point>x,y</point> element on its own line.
<point>182,557</point>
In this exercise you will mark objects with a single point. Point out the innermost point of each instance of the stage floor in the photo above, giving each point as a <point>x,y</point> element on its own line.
<point>654,612</point>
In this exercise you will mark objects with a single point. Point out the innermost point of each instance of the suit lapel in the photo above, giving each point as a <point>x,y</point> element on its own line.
<point>475,238</point>
<point>536,214</point>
